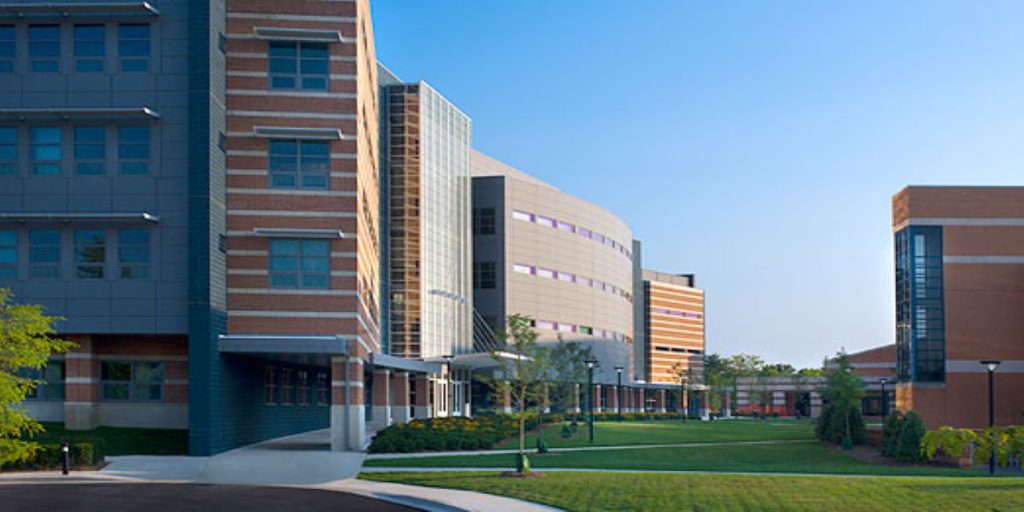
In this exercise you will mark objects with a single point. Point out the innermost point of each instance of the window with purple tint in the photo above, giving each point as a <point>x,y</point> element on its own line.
<point>543,272</point>
<point>565,276</point>
<point>545,221</point>
<point>524,216</point>
<point>546,324</point>
<point>522,269</point>
<point>565,226</point>
<point>566,327</point>
<point>597,236</point>
<point>585,281</point>
<point>584,232</point>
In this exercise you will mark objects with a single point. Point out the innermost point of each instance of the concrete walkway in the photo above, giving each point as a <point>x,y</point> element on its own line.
<point>418,455</point>
<point>383,469</point>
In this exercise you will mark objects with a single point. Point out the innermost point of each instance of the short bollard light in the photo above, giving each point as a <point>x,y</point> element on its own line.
<point>65,455</point>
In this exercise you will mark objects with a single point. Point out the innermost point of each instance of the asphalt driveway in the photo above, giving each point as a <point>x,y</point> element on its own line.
<point>139,497</point>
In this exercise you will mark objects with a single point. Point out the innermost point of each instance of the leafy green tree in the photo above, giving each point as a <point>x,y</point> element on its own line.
<point>27,339</point>
<point>521,376</point>
<point>908,441</point>
<point>568,367</point>
<point>777,370</point>
<point>843,392</point>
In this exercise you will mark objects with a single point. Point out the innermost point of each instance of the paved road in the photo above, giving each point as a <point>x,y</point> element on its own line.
<point>146,497</point>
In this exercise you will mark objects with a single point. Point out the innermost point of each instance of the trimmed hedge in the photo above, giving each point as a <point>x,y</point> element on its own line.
<point>481,432</point>
<point>48,456</point>
<point>627,416</point>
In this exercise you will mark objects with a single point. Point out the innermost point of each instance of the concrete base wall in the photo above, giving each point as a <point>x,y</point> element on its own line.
<point>143,415</point>
<point>401,414</point>
<point>381,417</point>
<point>44,410</point>
<point>348,432</point>
<point>423,411</point>
<point>81,416</point>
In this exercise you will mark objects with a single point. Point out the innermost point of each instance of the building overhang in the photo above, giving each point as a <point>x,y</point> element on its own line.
<point>479,360</point>
<point>75,10</point>
<point>298,132</point>
<point>299,34</point>
<point>298,233</point>
<point>404,364</point>
<point>68,218</point>
<point>78,114</point>
<point>314,350</point>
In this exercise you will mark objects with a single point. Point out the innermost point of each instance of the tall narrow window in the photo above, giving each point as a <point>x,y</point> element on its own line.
<point>287,387</point>
<point>133,149</point>
<point>300,263</point>
<point>44,48</point>
<point>8,150</point>
<point>8,254</point>
<point>323,389</point>
<point>90,253</point>
<point>90,48</point>
<point>299,164</point>
<point>44,253</point>
<point>8,46</point>
<point>483,221</point>
<point>133,46</point>
<point>270,385</point>
<point>484,275</point>
<point>45,150</point>
<point>90,150</point>
<point>133,253</point>
<point>302,386</point>
<point>296,65</point>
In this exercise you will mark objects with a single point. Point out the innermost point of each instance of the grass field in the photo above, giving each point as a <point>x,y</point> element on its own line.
<point>810,457</point>
<point>121,441</point>
<point>610,433</point>
<point>636,492</point>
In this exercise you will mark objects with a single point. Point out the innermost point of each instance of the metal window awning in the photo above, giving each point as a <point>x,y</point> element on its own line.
<point>298,233</point>
<point>142,217</point>
<point>282,344</point>
<point>69,113</point>
<point>479,360</point>
<point>294,132</point>
<point>299,34</point>
<point>403,364</point>
<point>69,9</point>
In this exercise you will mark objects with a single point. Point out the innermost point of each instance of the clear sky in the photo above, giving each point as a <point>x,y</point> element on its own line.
<point>757,144</point>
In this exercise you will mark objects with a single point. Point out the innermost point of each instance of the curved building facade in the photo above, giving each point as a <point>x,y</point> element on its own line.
<point>555,258</point>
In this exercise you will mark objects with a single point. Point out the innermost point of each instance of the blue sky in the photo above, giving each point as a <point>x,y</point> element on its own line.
<point>757,144</point>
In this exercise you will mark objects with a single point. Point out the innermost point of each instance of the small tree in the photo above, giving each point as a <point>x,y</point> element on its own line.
<point>685,377</point>
<point>568,367</point>
<point>908,442</point>
<point>843,391</point>
<point>26,342</point>
<point>522,376</point>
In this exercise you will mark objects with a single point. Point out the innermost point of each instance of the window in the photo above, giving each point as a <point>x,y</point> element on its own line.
<point>565,226</point>
<point>44,253</point>
<point>565,276</point>
<point>44,48</point>
<point>483,221</point>
<point>90,48</point>
<point>90,150</point>
<point>303,388</point>
<point>45,150</point>
<point>8,149</point>
<point>323,389</point>
<point>8,254</point>
<point>585,330</point>
<point>133,253</point>
<point>287,387</point>
<point>90,253</point>
<point>300,264</point>
<point>8,46</point>
<point>141,381</point>
<point>299,164</point>
<point>270,385</point>
<point>545,221</point>
<point>543,272</point>
<point>52,385</point>
<point>133,149</point>
<point>484,275</point>
<point>546,324</point>
<point>296,65</point>
<point>133,46</point>
<point>518,215</point>
<point>523,269</point>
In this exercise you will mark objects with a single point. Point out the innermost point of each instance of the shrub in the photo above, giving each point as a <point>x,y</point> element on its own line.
<point>831,425</point>
<point>908,443</point>
<point>444,434</point>
<point>542,445</point>
<point>891,433</point>
<point>48,456</point>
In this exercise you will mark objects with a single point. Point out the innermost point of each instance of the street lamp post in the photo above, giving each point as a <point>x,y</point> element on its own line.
<point>618,391</point>
<point>448,393</point>
<point>885,397</point>
<point>991,366</point>
<point>590,398</point>
<point>683,379</point>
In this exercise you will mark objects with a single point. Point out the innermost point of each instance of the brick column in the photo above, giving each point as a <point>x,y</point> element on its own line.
<point>422,408</point>
<point>613,399</point>
<point>81,385</point>
<point>348,411</point>
<point>597,398</point>
<point>400,397</point>
<point>381,399</point>
<point>661,400</point>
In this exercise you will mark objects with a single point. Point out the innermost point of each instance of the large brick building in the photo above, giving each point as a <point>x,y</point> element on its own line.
<point>959,300</point>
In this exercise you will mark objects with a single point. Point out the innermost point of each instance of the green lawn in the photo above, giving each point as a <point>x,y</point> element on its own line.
<point>634,492</point>
<point>610,433</point>
<point>810,457</point>
<point>121,441</point>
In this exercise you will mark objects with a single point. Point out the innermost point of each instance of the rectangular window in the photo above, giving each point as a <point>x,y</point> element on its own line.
<point>585,281</point>
<point>565,276</point>
<point>570,328</point>
<point>133,149</point>
<point>8,254</point>
<point>523,269</point>
<point>483,221</point>
<point>133,253</point>
<point>323,389</point>
<point>133,46</point>
<point>565,226</point>
<point>299,164</point>
<point>300,263</point>
<point>8,149</point>
<point>302,386</point>
<point>584,232</point>
<point>90,150</point>
<point>44,253</point>
<point>295,65</point>
<point>90,253</point>
<point>484,275</point>
<point>51,385</point>
<point>543,272</point>
<point>45,150</point>
<point>586,330</point>
<point>287,387</point>
<point>44,48</point>
<point>546,324</point>
<point>545,221</point>
<point>270,385</point>
<point>141,381</point>
<point>8,48</point>
<point>90,48</point>
<point>518,215</point>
